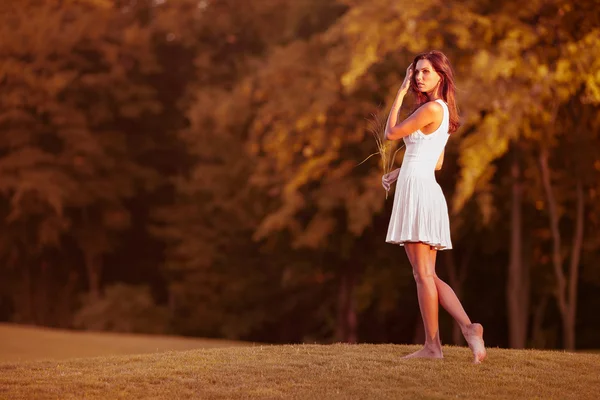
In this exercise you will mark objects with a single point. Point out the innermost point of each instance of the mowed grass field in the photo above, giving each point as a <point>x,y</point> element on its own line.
<point>338,371</point>
<point>24,343</point>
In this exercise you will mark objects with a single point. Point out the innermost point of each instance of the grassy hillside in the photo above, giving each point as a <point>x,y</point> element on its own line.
<point>21,343</point>
<point>307,372</point>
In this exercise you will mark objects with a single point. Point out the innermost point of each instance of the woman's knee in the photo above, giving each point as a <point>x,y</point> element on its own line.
<point>423,274</point>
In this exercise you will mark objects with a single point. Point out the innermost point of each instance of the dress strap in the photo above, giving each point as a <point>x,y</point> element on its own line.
<point>446,110</point>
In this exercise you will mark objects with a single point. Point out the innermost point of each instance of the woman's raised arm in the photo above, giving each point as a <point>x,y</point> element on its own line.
<point>429,113</point>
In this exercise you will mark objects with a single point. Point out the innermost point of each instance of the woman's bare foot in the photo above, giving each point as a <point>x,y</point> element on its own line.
<point>432,349</point>
<point>474,337</point>
<point>428,351</point>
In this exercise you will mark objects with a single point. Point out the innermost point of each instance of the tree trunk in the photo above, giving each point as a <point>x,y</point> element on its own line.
<point>569,335</point>
<point>517,288</point>
<point>537,334</point>
<point>65,313</point>
<point>346,320</point>
<point>28,311</point>
<point>566,296</point>
<point>568,324</point>
<point>93,265</point>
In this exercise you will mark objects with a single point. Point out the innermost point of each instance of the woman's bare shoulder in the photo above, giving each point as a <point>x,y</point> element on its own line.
<point>433,108</point>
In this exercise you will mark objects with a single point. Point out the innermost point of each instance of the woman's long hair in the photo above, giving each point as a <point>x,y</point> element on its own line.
<point>442,66</point>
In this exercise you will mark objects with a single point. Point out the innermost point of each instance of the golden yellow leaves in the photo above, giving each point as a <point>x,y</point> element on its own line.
<point>509,74</point>
<point>372,30</point>
<point>360,65</point>
<point>478,151</point>
<point>96,3</point>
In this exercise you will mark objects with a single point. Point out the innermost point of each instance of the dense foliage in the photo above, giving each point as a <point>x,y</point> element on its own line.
<point>199,159</point>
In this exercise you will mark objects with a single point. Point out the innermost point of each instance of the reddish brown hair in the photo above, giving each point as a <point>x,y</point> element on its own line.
<point>442,66</point>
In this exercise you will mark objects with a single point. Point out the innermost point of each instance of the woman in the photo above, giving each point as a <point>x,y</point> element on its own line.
<point>419,220</point>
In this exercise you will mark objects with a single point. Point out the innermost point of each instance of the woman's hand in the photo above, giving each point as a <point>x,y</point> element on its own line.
<point>390,178</point>
<point>406,84</point>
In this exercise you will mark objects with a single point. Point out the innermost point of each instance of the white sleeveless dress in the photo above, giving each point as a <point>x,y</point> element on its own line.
<point>420,212</point>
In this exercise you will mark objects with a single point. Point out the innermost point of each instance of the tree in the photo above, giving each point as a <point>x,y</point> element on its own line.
<point>209,228</point>
<point>553,58</point>
<point>69,77</point>
<point>510,89</point>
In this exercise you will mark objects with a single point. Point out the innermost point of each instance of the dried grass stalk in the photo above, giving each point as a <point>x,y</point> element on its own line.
<point>384,147</point>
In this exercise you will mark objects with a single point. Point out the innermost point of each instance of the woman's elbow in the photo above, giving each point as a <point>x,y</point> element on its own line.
<point>389,134</point>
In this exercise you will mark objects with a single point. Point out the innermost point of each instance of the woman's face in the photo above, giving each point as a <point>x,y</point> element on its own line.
<point>426,77</point>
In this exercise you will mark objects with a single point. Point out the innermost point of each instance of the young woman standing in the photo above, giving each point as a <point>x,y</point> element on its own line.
<point>419,219</point>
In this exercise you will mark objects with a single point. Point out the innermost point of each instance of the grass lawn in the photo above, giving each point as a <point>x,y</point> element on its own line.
<point>307,372</point>
<point>23,343</point>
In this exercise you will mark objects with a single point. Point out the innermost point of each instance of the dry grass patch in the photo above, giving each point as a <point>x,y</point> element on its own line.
<point>308,372</point>
<point>24,343</point>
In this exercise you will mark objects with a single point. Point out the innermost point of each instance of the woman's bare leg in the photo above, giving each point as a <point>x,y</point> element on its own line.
<point>448,298</point>
<point>473,333</point>
<point>424,273</point>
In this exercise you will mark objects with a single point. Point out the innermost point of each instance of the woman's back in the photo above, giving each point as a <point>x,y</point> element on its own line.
<point>423,150</point>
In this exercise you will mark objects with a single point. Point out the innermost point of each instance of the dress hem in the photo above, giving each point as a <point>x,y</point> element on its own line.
<point>436,245</point>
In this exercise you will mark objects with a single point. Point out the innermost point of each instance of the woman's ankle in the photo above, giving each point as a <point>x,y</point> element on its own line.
<point>471,329</point>
<point>433,343</point>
